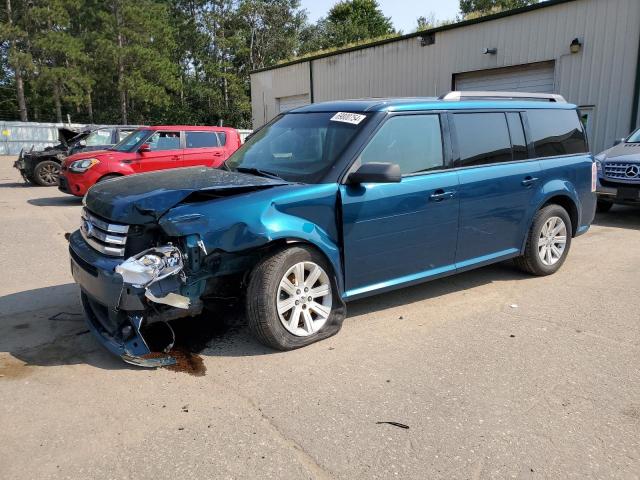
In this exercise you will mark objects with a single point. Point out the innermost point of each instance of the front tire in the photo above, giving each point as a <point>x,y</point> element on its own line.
<point>548,242</point>
<point>292,299</point>
<point>46,173</point>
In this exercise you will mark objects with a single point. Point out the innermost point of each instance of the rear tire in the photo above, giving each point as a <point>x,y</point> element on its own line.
<point>281,315</point>
<point>603,206</point>
<point>548,242</point>
<point>46,173</point>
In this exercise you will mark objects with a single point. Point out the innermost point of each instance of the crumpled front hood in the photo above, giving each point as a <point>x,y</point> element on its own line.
<point>144,198</point>
<point>624,152</point>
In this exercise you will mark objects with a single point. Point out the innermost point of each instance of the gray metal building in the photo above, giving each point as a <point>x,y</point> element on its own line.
<point>586,50</point>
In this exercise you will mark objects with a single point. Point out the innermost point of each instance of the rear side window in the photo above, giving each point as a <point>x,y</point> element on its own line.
<point>413,141</point>
<point>556,132</point>
<point>222,138</point>
<point>202,139</point>
<point>483,138</point>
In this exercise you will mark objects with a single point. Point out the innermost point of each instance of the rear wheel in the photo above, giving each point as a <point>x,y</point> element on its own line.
<point>46,173</point>
<point>548,242</point>
<point>603,206</point>
<point>292,299</point>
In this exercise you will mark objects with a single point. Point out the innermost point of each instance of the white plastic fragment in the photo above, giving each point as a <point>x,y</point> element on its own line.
<point>171,299</point>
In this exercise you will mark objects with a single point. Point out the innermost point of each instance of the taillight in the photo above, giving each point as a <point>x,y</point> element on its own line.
<point>594,176</point>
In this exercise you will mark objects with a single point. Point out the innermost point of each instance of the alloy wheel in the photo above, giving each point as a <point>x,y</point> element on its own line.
<point>552,241</point>
<point>304,299</point>
<point>49,174</point>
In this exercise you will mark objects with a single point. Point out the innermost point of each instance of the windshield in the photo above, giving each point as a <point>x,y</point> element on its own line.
<point>132,142</point>
<point>98,137</point>
<point>298,147</point>
<point>634,137</point>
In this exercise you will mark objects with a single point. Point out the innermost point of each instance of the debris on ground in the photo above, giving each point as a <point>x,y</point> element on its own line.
<point>395,424</point>
<point>65,317</point>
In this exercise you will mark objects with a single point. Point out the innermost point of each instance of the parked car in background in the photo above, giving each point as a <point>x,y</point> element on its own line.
<point>148,149</point>
<point>619,173</point>
<point>332,202</point>
<point>43,167</point>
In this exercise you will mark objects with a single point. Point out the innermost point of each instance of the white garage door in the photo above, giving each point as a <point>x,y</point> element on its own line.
<point>292,101</point>
<point>533,78</point>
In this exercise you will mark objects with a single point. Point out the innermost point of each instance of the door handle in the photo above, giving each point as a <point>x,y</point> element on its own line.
<point>175,157</point>
<point>440,195</point>
<point>528,181</point>
<point>217,154</point>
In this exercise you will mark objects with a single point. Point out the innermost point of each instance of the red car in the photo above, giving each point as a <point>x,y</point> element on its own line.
<point>148,149</point>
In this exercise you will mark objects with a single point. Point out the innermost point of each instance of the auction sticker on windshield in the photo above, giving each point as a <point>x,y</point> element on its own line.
<point>346,117</point>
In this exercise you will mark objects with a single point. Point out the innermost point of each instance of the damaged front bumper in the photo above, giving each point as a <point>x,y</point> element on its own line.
<point>21,165</point>
<point>123,301</point>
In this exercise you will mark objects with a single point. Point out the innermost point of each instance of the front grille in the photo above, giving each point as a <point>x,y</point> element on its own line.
<point>107,238</point>
<point>622,170</point>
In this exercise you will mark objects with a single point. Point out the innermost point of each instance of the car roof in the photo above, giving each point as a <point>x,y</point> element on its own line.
<point>425,103</point>
<point>187,127</point>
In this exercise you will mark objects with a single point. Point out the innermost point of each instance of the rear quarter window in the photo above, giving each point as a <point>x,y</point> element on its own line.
<point>556,132</point>
<point>202,139</point>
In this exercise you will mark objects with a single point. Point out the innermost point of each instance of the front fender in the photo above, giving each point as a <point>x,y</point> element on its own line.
<point>253,220</point>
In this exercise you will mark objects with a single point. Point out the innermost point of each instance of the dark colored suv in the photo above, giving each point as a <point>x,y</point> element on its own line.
<point>329,203</point>
<point>43,167</point>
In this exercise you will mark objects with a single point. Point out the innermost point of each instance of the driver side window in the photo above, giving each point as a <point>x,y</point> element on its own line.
<point>412,141</point>
<point>164,141</point>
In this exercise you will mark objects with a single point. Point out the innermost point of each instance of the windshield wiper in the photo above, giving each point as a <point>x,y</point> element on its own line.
<point>257,171</point>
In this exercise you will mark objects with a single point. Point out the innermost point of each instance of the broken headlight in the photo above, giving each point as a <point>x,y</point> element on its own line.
<point>151,266</point>
<point>81,166</point>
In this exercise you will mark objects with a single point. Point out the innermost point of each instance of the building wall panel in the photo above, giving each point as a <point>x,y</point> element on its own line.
<point>601,75</point>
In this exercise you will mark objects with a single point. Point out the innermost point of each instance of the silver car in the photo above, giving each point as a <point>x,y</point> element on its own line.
<point>619,173</point>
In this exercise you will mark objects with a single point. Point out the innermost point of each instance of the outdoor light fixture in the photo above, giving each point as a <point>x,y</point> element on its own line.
<point>427,39</point>
<point>490,51</point>
<point>575,46</point>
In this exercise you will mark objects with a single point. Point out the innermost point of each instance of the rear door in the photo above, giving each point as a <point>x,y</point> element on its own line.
<point>203,148</point>
<point>497,185</point>
<point>165,152</point>
<point>397,233</point>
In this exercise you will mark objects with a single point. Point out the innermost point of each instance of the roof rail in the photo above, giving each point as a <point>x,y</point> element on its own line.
<point>545,97</point>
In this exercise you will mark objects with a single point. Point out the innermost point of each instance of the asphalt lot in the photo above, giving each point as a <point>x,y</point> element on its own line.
<point>497,374</point>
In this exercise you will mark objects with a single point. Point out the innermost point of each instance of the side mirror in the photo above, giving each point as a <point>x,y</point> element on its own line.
<point>145,148</point>
<point>618,141</point>
<point>376,173</point>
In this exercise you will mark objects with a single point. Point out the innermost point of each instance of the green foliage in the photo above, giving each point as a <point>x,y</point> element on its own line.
<point>475,8</point>
<point>348,22</point>
<point>159,61</point>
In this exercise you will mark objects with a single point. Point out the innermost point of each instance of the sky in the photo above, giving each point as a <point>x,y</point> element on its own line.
<point>403,13</point>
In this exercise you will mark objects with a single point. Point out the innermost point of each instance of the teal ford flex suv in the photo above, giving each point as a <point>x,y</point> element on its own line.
<point>332,202</point>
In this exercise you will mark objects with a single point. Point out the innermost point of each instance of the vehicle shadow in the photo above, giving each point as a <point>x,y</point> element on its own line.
<point>15,185</point>
<point>66,201</point>
<point>620,216</point>
<point>56,334</point>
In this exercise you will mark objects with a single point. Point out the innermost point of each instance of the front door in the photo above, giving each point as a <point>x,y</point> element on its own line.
<point>203,148</point>
<point>165,152</point>
<point>399,233</point>
<point>497,185</point>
